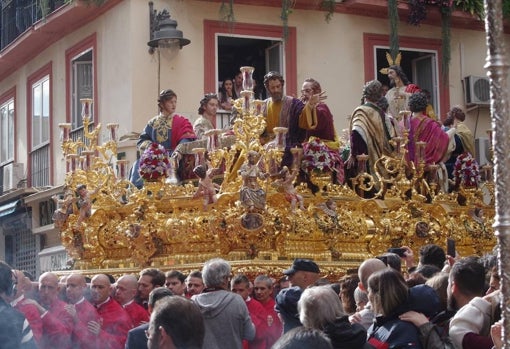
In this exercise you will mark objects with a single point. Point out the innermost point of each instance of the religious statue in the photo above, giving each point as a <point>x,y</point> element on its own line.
<point>64,208</point>
<point>286,181</point>
<point>252,196</point>
<point>206,187</point>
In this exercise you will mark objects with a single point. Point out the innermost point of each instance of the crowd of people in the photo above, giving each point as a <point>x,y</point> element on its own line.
<point>442,301</point>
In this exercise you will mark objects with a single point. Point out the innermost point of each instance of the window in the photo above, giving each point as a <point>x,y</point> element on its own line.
<point>7,131</point>
<point>265,40</point>
<point>81,81</point>
<point>41,112</point>
<point>82,86</point>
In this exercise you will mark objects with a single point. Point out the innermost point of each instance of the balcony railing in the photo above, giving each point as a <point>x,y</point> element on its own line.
<point>40,166</point>
<point>17,16</point>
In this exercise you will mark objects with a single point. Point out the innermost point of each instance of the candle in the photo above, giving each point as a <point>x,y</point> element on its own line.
<point>113,131</point>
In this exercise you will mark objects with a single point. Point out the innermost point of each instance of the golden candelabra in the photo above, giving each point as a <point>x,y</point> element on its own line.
<point>165,225</point>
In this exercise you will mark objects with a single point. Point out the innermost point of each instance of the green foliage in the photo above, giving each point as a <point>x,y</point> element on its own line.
<point>329,6</point>
<point>474,7</point>
<point>394,20</point>
<point>227,11</point>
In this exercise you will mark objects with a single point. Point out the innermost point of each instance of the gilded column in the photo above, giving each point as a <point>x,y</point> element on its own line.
<point>497,66</point>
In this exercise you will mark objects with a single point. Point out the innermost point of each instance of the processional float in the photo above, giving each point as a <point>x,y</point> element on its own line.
<point>165,224</point>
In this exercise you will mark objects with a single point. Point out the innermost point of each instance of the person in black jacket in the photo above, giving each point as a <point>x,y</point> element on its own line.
<point>15,332</point>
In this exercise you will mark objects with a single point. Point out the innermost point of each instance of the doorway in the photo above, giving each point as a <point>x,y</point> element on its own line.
<point>237,51</point>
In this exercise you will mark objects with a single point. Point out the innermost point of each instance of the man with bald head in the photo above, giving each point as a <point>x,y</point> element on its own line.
<point>125,292</point>
<point>57,322</point>
<point>115,321</point>
<point>366,316</point>
<point>82,312</point>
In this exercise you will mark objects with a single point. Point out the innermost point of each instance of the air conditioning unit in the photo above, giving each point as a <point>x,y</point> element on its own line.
<point>482,150</point>
<point>13,174</point>
<point>477,90</point>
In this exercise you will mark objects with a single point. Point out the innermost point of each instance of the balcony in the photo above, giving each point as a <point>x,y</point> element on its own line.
<point>25,34</point>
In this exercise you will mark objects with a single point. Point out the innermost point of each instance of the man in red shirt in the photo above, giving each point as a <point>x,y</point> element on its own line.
<point>241,285</point>
<point>57,323</point>
<point>125,292</point>
<point>114,321</point>
<point>27,306</point>
<point>82,313</point>
<point>263,288</point>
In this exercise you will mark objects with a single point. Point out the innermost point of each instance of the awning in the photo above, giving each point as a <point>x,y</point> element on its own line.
<point>9,208</point>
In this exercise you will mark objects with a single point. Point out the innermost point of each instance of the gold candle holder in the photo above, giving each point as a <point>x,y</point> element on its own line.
<point>420,151</point>
<point>86,104</point>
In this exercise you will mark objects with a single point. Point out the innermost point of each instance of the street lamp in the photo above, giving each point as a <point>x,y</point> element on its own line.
<point>163,30</point>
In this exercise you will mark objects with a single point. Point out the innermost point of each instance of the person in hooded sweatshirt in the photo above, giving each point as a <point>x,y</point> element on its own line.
<point>226,317</point>
<point>321,308</point>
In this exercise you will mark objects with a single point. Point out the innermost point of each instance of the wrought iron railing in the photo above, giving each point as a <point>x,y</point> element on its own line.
<point>17,16</point>
<point>40,166</point>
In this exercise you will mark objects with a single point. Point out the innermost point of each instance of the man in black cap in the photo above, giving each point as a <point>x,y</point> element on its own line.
<point>302,274</point>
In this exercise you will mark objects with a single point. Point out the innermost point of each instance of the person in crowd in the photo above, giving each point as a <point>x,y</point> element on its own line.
<point>432,254</point>
<point>227,320</point>
<point>303,338</point>
<point>400,91</point>
<point>227,95</point>
<point>464,139</point>
<point>369,133</point>
<point>57,322</point>
<point>320,308</point>
<point>494,280</point>
<point>114,323</point>
<point>194,283</point>
<point>136,337</point>
<point>388,292</point>
<point>470,326</point>
<point>424,303</point>
<point>207,111</point>
<point>240,284</point>
<point>176,282</point>
<point>126,288</point>
<point>365,317</point>
<point>168,129</point>
<point>361,299</point>
<point>263,289</point>
<point>82,312</point>
<point>238,84</point>
<point>302,274</point>
<point>176,323</point>
<point>15,332</point>
<point>19,301</point>
<point>149,279</point>
<point>280,110</point>
<point>348,284</point>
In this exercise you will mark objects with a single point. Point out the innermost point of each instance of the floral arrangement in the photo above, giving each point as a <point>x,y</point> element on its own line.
<point>317,157</point>
<point>154,163</point>
<point>466,171</point>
